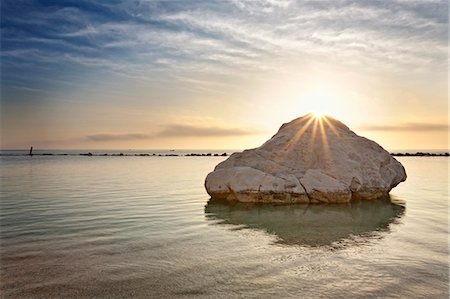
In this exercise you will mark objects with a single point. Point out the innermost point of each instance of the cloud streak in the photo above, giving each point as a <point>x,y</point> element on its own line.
<point>175,130</point>
<point>408,127</point>
<point>118,137</point>
<point>194,131</point>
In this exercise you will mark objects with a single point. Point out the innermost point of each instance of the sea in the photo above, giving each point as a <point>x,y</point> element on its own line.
<point>143,226</point>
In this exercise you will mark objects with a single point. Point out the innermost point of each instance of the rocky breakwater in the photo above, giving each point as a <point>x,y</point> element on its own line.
<point>309,160</point>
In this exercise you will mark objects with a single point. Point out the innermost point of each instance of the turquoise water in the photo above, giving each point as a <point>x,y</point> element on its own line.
<point>115,227</point>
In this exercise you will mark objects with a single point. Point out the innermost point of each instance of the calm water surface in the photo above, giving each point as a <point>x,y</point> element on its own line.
<point>143,227</point>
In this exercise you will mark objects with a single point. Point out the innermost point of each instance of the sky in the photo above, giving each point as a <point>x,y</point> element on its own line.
<point>142,74</point>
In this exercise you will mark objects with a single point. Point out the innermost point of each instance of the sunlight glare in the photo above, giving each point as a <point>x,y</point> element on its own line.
<point>321,103</point>
<point>317,114</point>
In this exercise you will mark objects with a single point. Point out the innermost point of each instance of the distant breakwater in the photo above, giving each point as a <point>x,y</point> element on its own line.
<point>420,154</point>
<point>89,154</point>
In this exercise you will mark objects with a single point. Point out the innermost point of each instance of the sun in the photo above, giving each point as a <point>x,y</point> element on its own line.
<point>317,114</point>
<point>321,102</point>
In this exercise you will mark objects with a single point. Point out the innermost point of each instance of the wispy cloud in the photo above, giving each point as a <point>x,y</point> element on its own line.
<point>176,130</point>
<point>194,131</point>
<point>132,38</point>
<point>408,127</point>
<point>118,137</point>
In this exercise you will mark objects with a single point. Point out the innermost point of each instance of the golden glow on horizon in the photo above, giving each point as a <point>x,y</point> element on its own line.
<point>354,100</point>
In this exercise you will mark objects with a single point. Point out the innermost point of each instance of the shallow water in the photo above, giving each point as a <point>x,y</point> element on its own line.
<point>118,227</point>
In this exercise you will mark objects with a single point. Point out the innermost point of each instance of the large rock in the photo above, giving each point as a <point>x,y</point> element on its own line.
<point>309,160</point>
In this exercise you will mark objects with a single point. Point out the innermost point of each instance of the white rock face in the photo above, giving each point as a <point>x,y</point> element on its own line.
<point>309,160</point>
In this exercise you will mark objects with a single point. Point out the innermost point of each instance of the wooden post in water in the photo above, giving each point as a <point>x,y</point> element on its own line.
<point>31,151</point>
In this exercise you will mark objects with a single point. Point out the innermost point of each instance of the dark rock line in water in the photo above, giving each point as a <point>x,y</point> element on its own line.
<point>420,154</point>
<point>89,154</point>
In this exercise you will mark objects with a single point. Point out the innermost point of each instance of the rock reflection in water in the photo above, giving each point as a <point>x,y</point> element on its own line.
<point>311,225</point>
